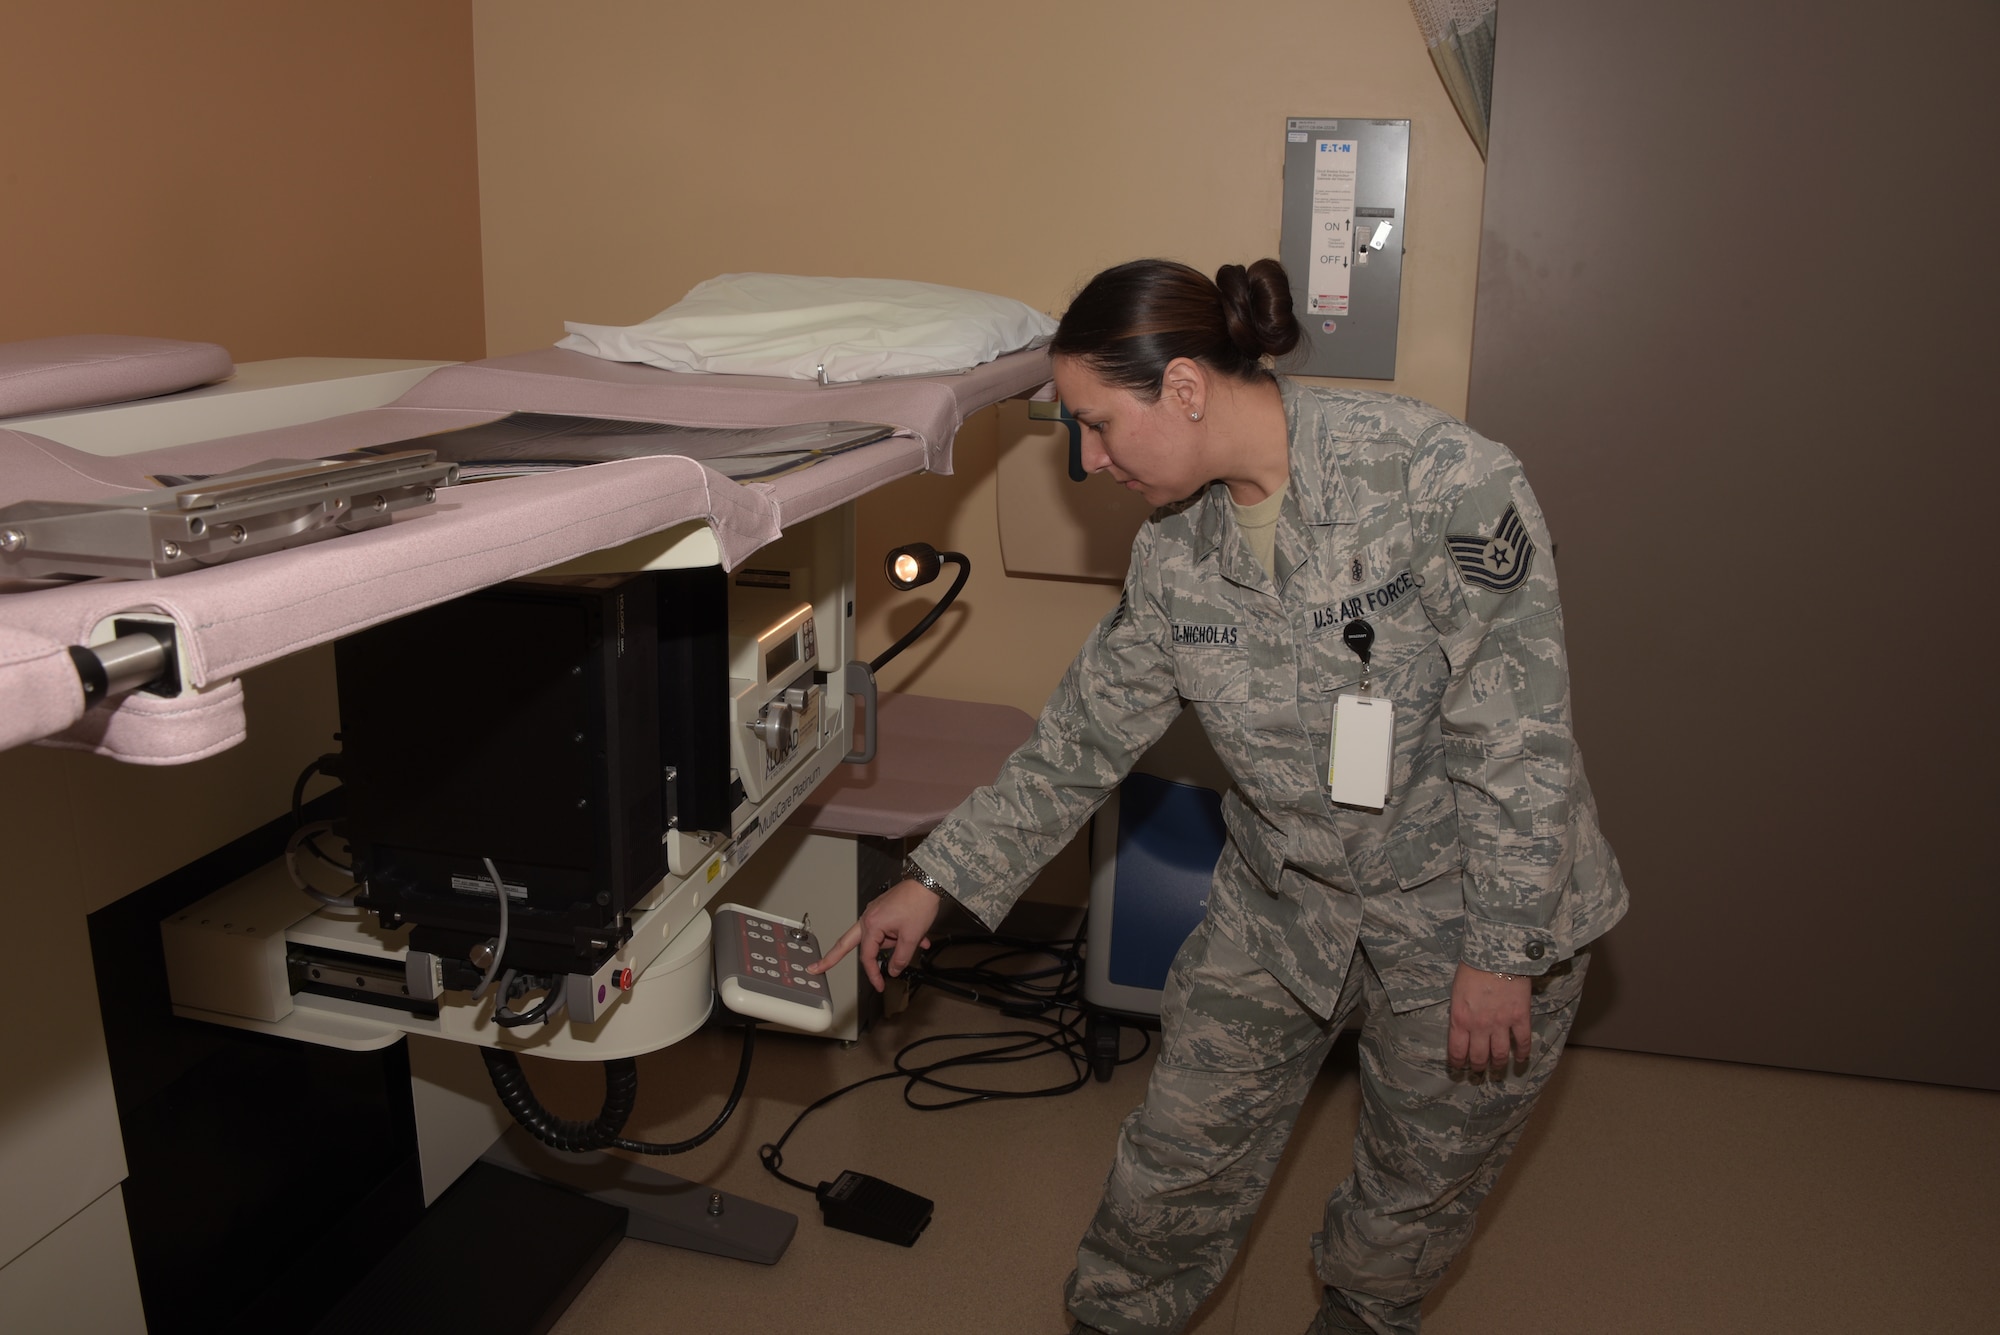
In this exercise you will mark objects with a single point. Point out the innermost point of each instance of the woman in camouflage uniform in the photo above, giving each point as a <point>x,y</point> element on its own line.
<point>1454,916</point>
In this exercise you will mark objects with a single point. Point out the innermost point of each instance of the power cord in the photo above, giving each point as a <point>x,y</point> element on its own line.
<point>1050,995</point>
<point>303,837</point>
<point>621,1091</point>
<point>499,945</point>
<point>328,765</point>
<point>728,1106</point>
<point>305,834</point>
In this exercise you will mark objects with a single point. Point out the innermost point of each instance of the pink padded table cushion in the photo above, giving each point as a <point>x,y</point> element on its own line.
<point>929,756</point>
<point>42,375</point>
<point>44,694</point>
<point>234,617</point>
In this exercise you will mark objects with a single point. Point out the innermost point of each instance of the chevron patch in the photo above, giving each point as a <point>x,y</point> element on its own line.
<point>1499,562</point>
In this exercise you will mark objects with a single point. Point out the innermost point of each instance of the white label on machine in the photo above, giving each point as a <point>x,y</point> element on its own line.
<point>1332,227</point>
<point>482,888</point>
<point>1364,742</point>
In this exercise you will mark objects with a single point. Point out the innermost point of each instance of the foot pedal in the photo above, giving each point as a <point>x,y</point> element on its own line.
<point>874,1208</point>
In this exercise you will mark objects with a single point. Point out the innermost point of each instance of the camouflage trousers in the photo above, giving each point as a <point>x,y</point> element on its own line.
<point>1238,1055</point>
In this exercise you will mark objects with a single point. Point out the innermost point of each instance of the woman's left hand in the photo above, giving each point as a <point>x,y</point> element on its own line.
<point>1489,1015</point>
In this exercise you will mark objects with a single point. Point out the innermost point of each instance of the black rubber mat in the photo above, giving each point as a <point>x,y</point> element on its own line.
<point>499,1253</point>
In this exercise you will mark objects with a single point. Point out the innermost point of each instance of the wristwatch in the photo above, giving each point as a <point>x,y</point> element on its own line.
<point>912,872</point>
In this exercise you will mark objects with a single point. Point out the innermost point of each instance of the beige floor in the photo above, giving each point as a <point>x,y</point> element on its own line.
<point>1651,1194</point>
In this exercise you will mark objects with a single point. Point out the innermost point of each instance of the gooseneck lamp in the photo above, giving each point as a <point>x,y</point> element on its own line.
<point>911,566</point>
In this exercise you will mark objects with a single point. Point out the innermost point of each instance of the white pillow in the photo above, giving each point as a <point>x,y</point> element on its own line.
<point>854,328</point>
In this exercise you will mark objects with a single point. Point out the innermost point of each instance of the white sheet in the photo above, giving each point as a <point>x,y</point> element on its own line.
<point>849,328</point>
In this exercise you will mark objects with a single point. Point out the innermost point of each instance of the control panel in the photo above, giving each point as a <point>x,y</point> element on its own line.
<point>776,707</point>
<point>760,969</point>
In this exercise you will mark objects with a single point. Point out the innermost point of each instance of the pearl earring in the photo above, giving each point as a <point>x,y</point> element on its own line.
<point>1194,417</point>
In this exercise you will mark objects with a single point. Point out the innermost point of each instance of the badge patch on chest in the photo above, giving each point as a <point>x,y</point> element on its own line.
<point>1187,633</point>
<point>1499,562</point>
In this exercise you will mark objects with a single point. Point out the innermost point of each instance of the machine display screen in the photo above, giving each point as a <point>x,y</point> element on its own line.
<point>780,657</point>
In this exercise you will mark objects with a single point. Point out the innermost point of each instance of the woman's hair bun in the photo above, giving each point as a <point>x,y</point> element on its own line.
<point>1257,304</point>
<point>1131,321</point>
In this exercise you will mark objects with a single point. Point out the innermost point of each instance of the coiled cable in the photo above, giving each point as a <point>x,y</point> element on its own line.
<point>621,1091</point>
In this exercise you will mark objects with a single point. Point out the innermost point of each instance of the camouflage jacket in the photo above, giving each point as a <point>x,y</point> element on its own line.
<point>1488,849</point>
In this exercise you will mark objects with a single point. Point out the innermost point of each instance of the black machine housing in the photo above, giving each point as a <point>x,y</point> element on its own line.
<point>559,725</point>
<point>694,698</point>
<point>521,724</point>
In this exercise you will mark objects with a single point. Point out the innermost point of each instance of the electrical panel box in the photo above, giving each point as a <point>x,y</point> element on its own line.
<point>1342,241</point>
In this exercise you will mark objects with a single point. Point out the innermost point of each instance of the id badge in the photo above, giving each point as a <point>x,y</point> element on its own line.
<point>1364,743</point>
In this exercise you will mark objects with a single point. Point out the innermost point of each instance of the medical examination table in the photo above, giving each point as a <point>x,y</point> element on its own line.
<point>231,618</point>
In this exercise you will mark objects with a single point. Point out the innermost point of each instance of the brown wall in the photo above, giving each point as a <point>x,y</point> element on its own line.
<point>284,179</point>
<point>1735,313</point>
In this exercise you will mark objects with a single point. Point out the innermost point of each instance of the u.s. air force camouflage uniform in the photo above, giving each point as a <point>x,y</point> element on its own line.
<point>1488,850</point>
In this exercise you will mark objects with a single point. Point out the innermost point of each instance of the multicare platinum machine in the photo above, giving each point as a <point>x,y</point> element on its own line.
<point>651,657</point>
<point>540,844</point>
<point>614,744</point>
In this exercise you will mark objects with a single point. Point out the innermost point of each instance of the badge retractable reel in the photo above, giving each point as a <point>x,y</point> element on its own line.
<point>1364,733</point>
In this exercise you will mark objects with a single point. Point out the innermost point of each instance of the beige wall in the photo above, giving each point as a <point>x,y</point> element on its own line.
<point>286,180</point>
<point>630,149</point>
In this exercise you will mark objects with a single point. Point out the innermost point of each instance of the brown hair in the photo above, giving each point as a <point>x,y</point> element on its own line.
<point>1130,321</point>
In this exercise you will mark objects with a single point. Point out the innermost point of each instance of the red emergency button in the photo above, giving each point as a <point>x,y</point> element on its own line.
<point>624,978</point>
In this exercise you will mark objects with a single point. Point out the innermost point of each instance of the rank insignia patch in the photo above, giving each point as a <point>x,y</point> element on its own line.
<point>1500,562</point>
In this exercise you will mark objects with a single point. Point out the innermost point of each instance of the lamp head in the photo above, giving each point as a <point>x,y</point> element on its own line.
<point>911,566</point>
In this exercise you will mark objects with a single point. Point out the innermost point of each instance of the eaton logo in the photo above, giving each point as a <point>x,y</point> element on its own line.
<point>1329,146</point>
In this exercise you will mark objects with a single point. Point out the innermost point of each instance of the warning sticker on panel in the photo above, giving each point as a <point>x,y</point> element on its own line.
<point>1332,253</point>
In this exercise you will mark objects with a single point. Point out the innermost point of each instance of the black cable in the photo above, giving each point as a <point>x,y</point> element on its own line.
<point>320,765</point>
<point>299,787</point>
<point>930,618</point>
<point>513,985</point>
<point>1051,996</point>
<point>621,1091</point>
<point>728,1107</point>
<point>1014,992</point>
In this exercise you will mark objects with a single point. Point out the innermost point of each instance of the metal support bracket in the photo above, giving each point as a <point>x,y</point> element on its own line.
<point>1052,410</point>
<point>860,684</point>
